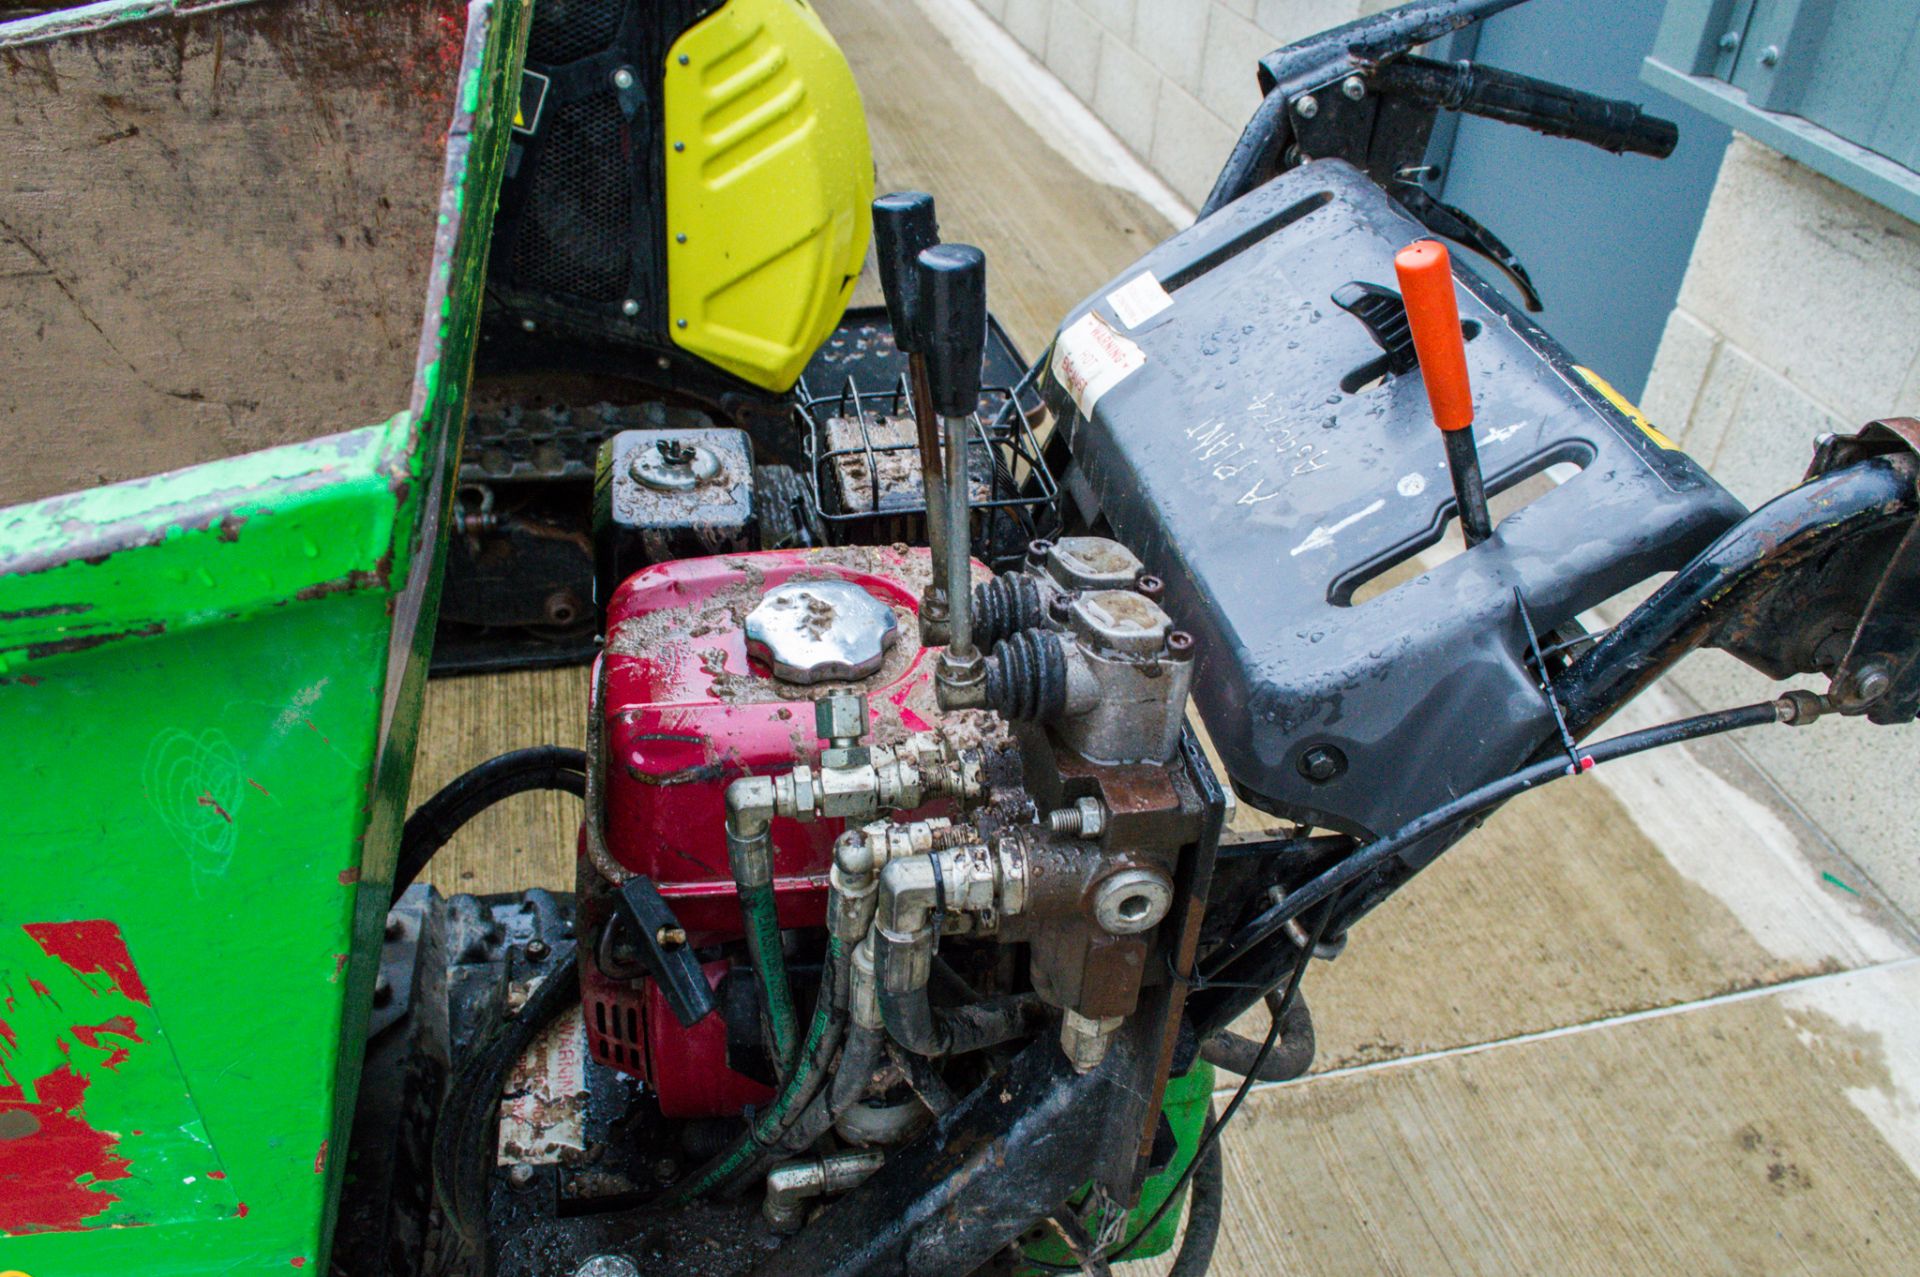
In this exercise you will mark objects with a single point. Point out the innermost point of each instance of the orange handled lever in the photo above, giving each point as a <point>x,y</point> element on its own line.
<point>1433,313</point>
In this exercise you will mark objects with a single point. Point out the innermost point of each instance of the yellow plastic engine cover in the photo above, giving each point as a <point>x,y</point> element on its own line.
<point>769,188</point>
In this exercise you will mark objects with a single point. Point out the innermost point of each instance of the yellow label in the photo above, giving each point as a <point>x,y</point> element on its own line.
<point>1626,407</point>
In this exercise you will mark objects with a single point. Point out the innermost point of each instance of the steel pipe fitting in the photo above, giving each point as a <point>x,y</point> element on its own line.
<point>792,1184</point>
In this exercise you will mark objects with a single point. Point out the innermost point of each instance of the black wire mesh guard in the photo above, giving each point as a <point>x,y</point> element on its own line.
<point>864,463</point>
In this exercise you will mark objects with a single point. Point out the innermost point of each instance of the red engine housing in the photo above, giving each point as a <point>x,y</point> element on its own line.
<point>684,715</point>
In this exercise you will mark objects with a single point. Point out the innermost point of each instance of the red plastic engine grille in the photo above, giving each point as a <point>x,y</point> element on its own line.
<point>614,1035</point>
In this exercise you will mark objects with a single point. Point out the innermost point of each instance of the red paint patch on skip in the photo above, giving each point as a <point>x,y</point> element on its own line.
<point>240,1211</point>
<point>339,964</point>
<point>257,785</point>
<point>7,1033</point>
<point>120,1026</point>
<point>349,876</point>
<point>91,946</point>
<point>320,1159</point>
<point>208,800</point>
<point>42,1173</point>
<point>298,1261</point>
<point>216,1174</point>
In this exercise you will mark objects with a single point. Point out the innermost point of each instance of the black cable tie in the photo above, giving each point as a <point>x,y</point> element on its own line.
<point>1576,761</point>
<point>939,889</point>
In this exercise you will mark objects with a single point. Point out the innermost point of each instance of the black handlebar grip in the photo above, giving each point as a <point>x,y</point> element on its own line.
<point>1554,109</point>
<point>953,288</point>
<point>903,228</point>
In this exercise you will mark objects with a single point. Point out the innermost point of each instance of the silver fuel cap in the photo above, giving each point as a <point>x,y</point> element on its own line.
<point>820,631</point>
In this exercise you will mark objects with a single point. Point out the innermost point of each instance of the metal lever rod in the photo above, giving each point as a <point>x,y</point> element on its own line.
<point>953,282</point>
<point>1433,312</point>
<point>904,227</point>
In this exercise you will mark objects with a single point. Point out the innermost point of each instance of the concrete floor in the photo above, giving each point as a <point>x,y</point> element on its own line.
<point>1643,1022</point>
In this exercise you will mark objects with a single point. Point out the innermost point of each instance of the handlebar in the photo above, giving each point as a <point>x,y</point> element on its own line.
<point>1554,109</point>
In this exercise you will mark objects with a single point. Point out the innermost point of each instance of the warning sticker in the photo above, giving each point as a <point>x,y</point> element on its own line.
<point>1089,359</point>
<point>1139,299</point>
<point>543,1120</point>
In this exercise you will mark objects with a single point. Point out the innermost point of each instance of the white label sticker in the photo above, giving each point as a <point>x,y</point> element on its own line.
<point>544,1119</point>
<point>1089,359</point>
<point>1139,299</point>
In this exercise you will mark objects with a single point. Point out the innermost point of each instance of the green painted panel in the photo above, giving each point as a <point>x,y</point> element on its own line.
<point>210,686</point>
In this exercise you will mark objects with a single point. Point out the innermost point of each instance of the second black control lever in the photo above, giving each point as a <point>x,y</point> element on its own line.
<point>953,289</point>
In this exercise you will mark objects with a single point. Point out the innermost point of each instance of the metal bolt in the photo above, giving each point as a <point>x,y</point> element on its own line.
<point>1179,642</point>
<point>1354,87</point>
<point>630,307</point>
<point>1308,107</point>
<point>663,363</point>
<point>1872,683</point>
<point>1087,818</point>
<point>666,1170</point>
<point>1151,586</point>
<point>382,990</point>
<point>684,59</point>
<point>395,927</point>
<point>1729,42</point>
<point>607,1266</point>
<point>679,146</point>
<point>670,937</point>
<point>1770,56</point>
<point>520,1175</point>
<point>681,238</point>
<point>1322,763</point>
<point>623,78</point>
<point>537,950</point>
<point>527,325</point>
<point>681,322</point>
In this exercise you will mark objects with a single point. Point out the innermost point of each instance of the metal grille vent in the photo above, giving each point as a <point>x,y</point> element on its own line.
<point>567,29</point>
<point>575,234</point>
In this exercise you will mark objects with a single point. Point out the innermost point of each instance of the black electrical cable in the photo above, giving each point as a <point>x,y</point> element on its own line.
<point>434,823</point>
<point>1212,1137</point>
<point>1376,854</point>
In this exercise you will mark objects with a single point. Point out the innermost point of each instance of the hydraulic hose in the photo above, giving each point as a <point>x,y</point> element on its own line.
<point>434,823</point>
<point>463,1138</point>
<point>750,856</point>
<point>769,1127</point>
<point>923,1030</point>
<point>769,964</point>
<point>1207,1199</point>
<point>1290,1057</point>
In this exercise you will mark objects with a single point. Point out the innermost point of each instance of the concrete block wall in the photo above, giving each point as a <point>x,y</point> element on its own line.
<point>1800,314</point>
<point>1175,79</point>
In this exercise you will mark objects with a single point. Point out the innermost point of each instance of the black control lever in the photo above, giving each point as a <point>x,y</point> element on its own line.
<point>953,282</point>
<point>904,227</point>
<point>1608,123</point>
<point>664,949</point>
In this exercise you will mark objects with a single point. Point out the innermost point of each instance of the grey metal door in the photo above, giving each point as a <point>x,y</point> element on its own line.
<point>1606,238</point>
